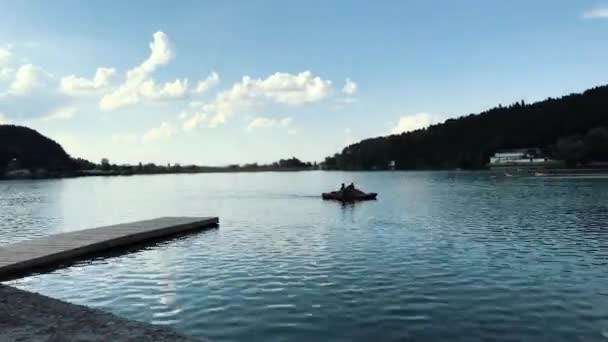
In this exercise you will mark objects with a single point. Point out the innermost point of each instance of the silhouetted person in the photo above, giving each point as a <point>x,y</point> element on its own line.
<point>342,187</point>
<point>351,186</point>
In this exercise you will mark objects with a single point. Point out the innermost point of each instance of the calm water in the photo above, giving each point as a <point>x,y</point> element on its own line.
<point>451,256</point>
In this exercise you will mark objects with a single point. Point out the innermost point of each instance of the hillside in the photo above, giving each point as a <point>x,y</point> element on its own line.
<point>570,128</point>
<point>31,150</point>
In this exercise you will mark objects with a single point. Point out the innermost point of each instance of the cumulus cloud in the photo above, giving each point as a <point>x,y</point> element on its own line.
<point>596,13</point>
<point>164,131</point>
<point>348,90</point>
<point>410,123</point>
<point>62,113</point>
<point>211,81</point>
<point>194,120</point>
<point>28,92</point>
<point>170,90</point>
<point>27,78</point>
<point>350,87</point>
<point>138,85</point>
<point>268,123</point>
<point>285,88</point>
<point>74,86</point>
<point>278,88</point>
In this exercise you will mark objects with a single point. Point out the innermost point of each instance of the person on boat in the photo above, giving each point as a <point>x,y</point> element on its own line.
<point>342,187</point>
<point>351,186</point>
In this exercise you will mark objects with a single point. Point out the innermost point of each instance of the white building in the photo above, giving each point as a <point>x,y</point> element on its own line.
<point>525,157</point>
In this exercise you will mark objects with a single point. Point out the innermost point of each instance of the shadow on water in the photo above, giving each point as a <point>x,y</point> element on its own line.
<point>108,254</point>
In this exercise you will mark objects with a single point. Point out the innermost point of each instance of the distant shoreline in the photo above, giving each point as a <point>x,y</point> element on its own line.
<point>100,173</point>
<point>553,173</point>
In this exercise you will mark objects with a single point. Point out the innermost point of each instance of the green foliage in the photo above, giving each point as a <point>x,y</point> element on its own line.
<point>31,150</point>
<point>597,143</point>
<point>571,149</point>
<point>83,164</point>
<point>292,163</point>
<point>469,141</point>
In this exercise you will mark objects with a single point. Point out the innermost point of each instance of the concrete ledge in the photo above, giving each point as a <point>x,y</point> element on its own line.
<point>26,316</point>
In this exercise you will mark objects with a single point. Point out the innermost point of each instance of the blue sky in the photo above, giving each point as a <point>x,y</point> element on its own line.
<point>217,82</point>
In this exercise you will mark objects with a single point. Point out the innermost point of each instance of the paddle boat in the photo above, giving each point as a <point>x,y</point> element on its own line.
<point>349,194</point>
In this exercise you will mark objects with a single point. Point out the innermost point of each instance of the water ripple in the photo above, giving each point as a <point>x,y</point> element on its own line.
<point>441,256</point>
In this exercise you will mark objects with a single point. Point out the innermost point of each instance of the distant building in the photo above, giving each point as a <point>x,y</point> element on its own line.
<point>13,165</point>
<point>21,173</point>
<point>522,158</point>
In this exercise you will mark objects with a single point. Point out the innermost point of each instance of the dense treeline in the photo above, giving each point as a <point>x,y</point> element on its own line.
<point>22,147</point>
<point>569,128</point>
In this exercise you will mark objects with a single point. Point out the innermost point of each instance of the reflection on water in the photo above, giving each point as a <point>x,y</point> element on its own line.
<point>439,256</point>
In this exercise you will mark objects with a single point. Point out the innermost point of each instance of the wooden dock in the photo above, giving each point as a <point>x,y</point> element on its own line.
<point>25,257</point>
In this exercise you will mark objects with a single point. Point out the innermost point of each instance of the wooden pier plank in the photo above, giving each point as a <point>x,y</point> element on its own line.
<point>23,257</point>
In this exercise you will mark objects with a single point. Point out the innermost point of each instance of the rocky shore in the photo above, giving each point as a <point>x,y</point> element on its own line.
<point>26,316</point>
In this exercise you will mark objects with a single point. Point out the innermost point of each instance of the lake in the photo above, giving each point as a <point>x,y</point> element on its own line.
<point>455,256</point>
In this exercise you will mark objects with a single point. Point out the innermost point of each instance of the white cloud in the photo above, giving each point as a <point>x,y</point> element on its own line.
<point>350,87</point>
<point>268,123</point>
<point>138,86</point>
<point>73,85</point>
<point>348,131</point>
<point>349,90</point>
<point>278,88</point>
<point>596,13</point>
<point>3,119</point>
<point>62,113</point>
<point>285,88</point>
<point>170,90</point>
<point>5,56</point>
<point>195,120</point>
<point>27,78</point>
<point>208,83</point>
<point>29,92</point>
<point>164,131</point>
<point>410,123</point>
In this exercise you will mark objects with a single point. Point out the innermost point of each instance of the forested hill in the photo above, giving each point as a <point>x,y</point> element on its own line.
<point>22,147</point>
<point>469,141</point>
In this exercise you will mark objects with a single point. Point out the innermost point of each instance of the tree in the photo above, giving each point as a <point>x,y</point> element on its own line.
<point>291,163</point>
<point>470,140</point>
<point>83,164</point>
<point>32,150</point>
<point>105,164</point>
<point>597,143</point>
<point>572,150</point>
